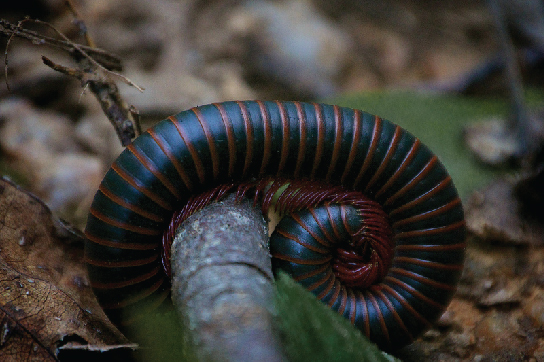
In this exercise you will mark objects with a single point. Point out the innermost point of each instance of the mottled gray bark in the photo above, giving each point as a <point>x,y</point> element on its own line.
<point>222,283</point>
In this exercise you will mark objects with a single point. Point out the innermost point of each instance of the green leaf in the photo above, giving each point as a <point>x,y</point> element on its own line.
<point>438,121</point>
<point>162,338</point>
<point>313,332</point>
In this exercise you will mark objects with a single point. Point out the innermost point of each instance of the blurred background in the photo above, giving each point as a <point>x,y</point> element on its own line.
<point>57,142</point>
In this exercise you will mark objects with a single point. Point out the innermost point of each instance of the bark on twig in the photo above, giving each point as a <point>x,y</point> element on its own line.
<point>222,283</point>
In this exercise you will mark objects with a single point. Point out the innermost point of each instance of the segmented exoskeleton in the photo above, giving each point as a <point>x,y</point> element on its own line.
<point>367,160</point>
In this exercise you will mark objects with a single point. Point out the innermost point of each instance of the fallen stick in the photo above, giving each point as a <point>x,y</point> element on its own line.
<point>222,283</point>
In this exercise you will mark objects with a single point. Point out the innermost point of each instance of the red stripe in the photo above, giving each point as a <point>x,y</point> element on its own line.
<point>362,298</point>
<point>343,299</point>
<point>380,317</point>
<point>123,225</point>
<point>354,150</point>
<point>427,264</point>
<point>211,143</point>
<point>320,139</point>
<point>394,313</point>
<point>325,242</point>
<point>127,205</point>
<point>267,146</point>
<point>426,215</point>
<point>409,289</point>
<point>334,297</point>
<point>431,231</point>
<point>194,153</point>
<point>121,244</point>
<point>331,282</point>
<point>405,163</point>
<point>337,143</point>
<point>433,248</point>
<point>177,165</point>
<point>328,236</point>
<point>383,164</point>
<point>334,224</point>
<point>302,140</point>
<point>413,182</point>
<point>121,264</point>
<point>148,164</point>
<point>296,239</point>
<point>126,283</point>
<point>286,137</point>
<point>421,279</point>
<point>140,187</point>
<point>302,261</point>
<point>376,133</point>
<point>249,137</point>
<point>143,294</point>
<point>442,185</point>
<point>406,305</point>
<point>231,140</point>
<point>310,274</point>
<point>353,309</point>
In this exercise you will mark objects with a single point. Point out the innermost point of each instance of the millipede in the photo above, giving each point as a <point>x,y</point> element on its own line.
<point>373,224</point>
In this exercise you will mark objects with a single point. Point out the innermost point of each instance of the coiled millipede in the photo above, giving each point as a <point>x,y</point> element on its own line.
<point>388,193</point>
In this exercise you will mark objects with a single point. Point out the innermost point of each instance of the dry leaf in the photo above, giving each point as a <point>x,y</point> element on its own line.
<point>45,299</point>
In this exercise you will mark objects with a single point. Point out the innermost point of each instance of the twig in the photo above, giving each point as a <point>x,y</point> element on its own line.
<point>77,47</point>
<point>93,73</point>
<point>85,77</point>
<point>222,283</point>
<point>118,112</point>
<point>116,109</point>
<point>136,116</point>
<point>80,23</point>
<point>108,60</point>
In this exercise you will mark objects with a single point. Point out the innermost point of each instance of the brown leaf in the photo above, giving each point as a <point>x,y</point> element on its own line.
<point>45,299</point>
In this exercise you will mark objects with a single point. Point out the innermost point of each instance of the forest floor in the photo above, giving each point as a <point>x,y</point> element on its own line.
<point>56,142</point>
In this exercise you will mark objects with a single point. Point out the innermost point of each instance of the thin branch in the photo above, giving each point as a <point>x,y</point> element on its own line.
<point>72,72</point>
<point>136,116</point>
<point>79,48</point>
<point>80,23</point>
<point>11,35</point>
<point>108,60</point>
<point>100,79</point>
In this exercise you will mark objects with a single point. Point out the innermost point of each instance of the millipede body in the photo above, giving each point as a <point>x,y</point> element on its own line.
<point>375,227</point>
